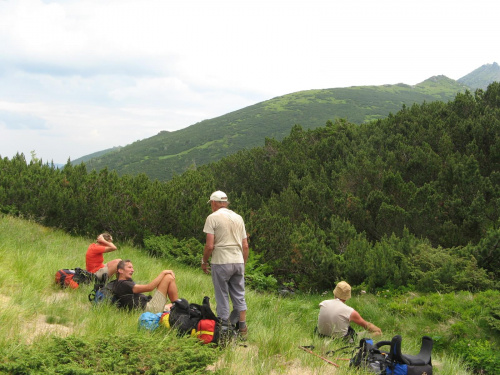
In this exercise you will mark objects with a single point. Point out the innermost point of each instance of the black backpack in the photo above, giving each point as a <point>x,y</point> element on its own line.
<point>406,364</point>
<point>184,316</point>
<point>83,276</point>
<point>369,356</point>
<point>199,321</point>
<point>102,292</point>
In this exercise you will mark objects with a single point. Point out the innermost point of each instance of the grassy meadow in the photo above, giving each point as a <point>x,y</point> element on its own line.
<point>46,330</point>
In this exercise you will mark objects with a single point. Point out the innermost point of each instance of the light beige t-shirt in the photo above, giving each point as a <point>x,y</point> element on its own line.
<point>333,319</point>
<point>229,231</point>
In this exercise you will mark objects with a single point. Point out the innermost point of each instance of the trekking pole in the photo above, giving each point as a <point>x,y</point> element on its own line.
<point>337,350</point>
<point>317,355</point>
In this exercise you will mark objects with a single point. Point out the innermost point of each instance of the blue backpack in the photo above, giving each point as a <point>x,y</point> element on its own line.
<point>406,364</point>
<point>102,292</point>
<point>149,321</point>
<point>372,358</point>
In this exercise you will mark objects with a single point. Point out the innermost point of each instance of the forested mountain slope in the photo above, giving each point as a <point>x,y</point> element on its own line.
<point>410,201</point>
<point>169,153</point>
<point>482,76</point>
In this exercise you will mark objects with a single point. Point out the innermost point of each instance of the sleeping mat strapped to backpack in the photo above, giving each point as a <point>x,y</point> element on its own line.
<point>370,357</point>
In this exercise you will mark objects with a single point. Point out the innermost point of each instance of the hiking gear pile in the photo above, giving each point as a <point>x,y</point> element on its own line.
<point>372,358</point>
<point>72,278</point>
<point>186,318</point>
<point>191,319</point>
<point>198,321</point>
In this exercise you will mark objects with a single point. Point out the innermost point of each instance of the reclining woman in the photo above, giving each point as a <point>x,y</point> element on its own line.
<point>130,295</point>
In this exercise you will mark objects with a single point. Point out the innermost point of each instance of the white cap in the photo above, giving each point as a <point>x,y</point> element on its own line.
<point>218,196</point>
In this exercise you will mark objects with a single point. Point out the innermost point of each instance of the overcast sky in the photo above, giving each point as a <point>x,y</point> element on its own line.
<point>80,76</point>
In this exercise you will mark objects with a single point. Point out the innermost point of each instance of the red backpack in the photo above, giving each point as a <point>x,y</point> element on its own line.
<point>207,330</point>
<point>64,278</point>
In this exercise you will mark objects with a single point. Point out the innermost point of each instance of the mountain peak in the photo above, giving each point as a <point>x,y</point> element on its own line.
<point>482,76</point>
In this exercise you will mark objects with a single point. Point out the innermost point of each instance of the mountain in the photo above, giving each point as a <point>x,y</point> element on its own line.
<point>95,155</point>
<point>482,77</point>
<point>170,153</point>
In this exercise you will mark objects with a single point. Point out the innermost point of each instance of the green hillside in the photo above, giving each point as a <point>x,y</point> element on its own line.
<point>95,155</point>
<point>409,201</point>
<point>47,330</point>
<point>169,153</point>
<point>405,208</point>
<point>482,77</point>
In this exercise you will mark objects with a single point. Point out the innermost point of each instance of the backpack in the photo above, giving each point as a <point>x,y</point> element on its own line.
<point>208,331</point>
<point>370,357</point>
<point>64,278</point>
<point>405,364</point>
<point>164,319</point>
<point>149,321</point>
<point>195,320</point>
<point>102,292</point>
<point>72,278</point>
<point>83,276</point>
<point>184,316</point>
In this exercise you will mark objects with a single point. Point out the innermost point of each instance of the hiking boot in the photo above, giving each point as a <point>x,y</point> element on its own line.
<point>225,335</point>
<point>243,332</point>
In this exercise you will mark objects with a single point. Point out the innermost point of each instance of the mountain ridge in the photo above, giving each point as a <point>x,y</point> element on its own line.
<point>169,153</point>
<point>481,77</point>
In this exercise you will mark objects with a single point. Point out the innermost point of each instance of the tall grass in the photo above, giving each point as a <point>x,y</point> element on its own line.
<point>33,311</point>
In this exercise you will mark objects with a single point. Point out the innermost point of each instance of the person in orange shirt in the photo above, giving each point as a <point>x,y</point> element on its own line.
<point>95,257</point>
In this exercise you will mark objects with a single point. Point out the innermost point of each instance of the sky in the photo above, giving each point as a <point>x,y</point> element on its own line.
<point>81,76</point>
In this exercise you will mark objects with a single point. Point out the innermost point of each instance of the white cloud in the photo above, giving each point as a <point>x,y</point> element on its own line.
<point>80,76</point>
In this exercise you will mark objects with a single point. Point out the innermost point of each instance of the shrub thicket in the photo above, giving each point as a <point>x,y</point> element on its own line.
<point>134,353</point>
<point>411,200</point>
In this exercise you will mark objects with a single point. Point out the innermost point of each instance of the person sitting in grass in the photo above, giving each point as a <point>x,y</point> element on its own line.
<point>335,316</point>
<point>130,295</point>
<point>94,258</point>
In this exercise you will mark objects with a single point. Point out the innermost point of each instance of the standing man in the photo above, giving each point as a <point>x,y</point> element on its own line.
<point>227,243</point>
<point>95,259</point>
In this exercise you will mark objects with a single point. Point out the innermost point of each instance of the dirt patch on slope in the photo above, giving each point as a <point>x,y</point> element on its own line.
<point>40,327</point>
<point>248,360</point>
<point>37,324</point>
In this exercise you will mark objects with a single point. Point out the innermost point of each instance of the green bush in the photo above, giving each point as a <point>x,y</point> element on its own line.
<point>258,274</point>
<point>135,353</point>
<point>481,355</point>
<point>184,251</point>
